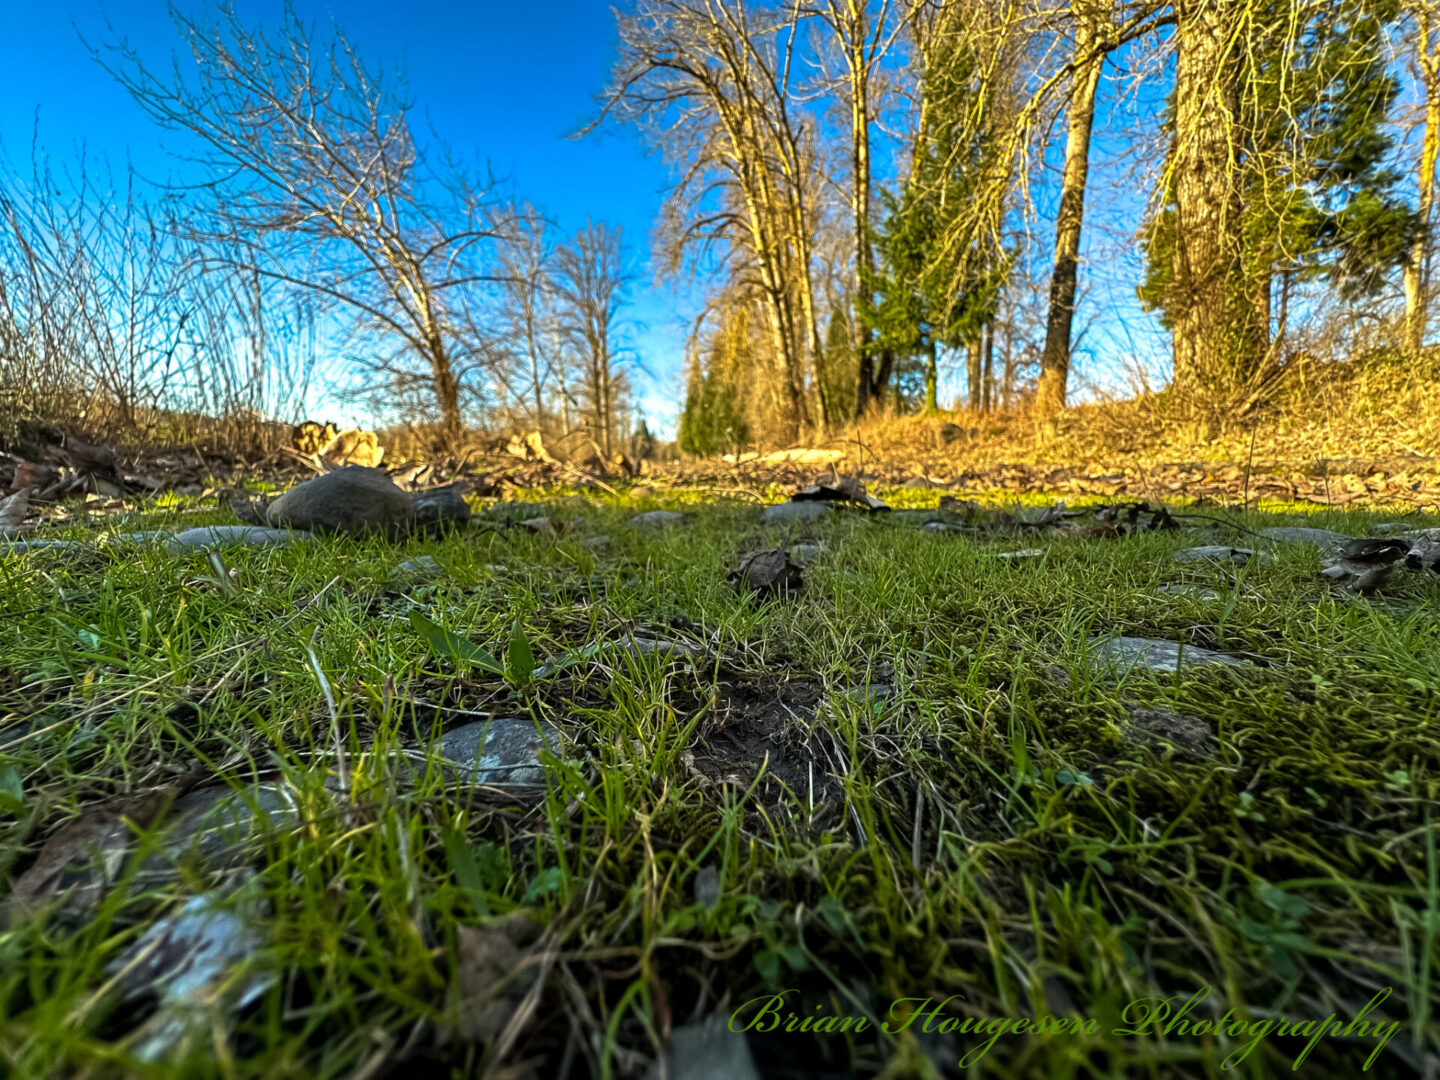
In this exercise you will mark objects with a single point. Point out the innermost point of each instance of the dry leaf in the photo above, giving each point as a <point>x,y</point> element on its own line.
<point>82,859</point>
<point>768,571</point>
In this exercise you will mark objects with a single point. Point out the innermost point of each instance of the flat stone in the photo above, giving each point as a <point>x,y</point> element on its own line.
<point>1321,538</point>
<point>708,1051</point>
<point>186,960</point>
<point>1222,553</point>
<point>231,535</point>
<point>352,500</point>
<point>794,511</point>
<point>509,756</point>
<point>1024,553</point>
<point>216,824</point>
<point>25,547</point>
<point>1153,655</point>
<point>659,517</point>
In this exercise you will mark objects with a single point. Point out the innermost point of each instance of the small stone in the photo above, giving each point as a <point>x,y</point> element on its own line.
<point>708,1051</point>
<point>437,507</point>
<point>26,547</point>
<point>794,511</point>
<point>659,517</point>
<point>1024,553</point>
<point>227,535</point>
<point>352,500</point>
<point>422,566</point>
<point>1153,655</point>
<point>509,756</point>
<point>806,553</point>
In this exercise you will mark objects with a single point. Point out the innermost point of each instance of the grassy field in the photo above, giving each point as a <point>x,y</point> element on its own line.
<point>903,796</point>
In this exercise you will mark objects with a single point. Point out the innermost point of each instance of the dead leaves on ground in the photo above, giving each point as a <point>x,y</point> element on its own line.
<point>80,861</point>
<point>768,573</point>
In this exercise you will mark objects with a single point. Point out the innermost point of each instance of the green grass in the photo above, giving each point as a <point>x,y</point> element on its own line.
<point>991,829</point>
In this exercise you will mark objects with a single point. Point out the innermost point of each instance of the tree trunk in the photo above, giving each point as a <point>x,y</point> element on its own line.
<point>868,388</point>
<point>988,379</point>
<point>932,378</point>
<point>1055,360</point>
<point>1417,269</point>
<point>972,357</point>
<point>1216,338</point>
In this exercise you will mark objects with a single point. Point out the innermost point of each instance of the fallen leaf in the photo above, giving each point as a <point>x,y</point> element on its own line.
<point>847,489</point>
<point>84,857</point>
<point>769,571</point>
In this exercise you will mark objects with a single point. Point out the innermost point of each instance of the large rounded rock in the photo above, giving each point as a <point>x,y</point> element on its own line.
<point>350,500</point>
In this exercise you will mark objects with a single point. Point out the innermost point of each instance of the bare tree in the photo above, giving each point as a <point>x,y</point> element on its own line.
<point>590,282</point>
<point>710,82</point>
<point>527,293</point>
<point>318,182</point>
<point>1425,15</point>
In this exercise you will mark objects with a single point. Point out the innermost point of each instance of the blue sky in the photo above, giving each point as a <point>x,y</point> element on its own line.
<point>503,82</point>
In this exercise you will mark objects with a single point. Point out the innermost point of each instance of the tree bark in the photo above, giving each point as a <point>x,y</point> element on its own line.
<point>1055,360</point>
<point>932,378</point>
<point>973,365</point>
<point>1216,337</point>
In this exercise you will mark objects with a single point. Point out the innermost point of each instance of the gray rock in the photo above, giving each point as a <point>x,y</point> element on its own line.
<point>659,517</point>
<point>1024,553</point>
<point>1324,539</point>
<point>1153,655</point>
<point>422,566</point>
<point>229,535</point>
<point>708,1051</point>
<point>186,960</point>
<point>437,507</point>
<point>1222,554</point>
<point>504,752</point>
<point>217,825</point>
<point>25,547</point>
<point>794,511</point>
<point>352,500</point>
<point>806,553</point>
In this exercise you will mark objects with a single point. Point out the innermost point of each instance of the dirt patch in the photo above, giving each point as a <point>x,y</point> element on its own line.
<point>764,723</point>
<point>1190,736</point>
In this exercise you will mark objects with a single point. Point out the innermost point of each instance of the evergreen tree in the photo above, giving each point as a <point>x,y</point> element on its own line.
<point>923,297</point>
<point>713,420</point>
<point>1318,202</point>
